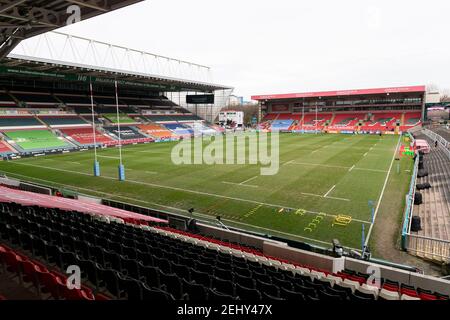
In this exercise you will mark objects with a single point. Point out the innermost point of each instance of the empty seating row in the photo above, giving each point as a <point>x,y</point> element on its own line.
<point>136,263</point>
<point>179,129</point>
<point>156,131</point>
<point>129,262</point>
<point>45,281</point>
<point>126,132</point>
<point>30,140</point>
<point>60,121</point>
<point>34,98</point>
<point>23,121</point>
<point>85,136</point>
<point>123,118</point>
<point>281,124</point>
<point>6,148</point>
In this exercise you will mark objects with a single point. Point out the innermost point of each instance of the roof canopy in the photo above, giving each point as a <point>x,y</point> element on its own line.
<point>22,19</point>
<point>56,56</point>
<point>342,93</point>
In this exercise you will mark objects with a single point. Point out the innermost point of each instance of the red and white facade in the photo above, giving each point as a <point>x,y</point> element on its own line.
<point>388,110</point>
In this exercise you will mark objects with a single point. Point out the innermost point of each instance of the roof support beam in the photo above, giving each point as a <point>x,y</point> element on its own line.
<point>89,4</point>
<point>11,5</point>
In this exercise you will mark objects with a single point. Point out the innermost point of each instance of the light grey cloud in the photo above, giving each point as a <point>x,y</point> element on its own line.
<point>262,46</point>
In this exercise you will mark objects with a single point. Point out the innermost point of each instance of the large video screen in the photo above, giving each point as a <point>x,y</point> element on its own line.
<point>200,99</point>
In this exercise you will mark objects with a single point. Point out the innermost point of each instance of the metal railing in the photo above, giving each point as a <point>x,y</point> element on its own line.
<point>445,145</point>
<point>430,248</point>
<point>409,208</point>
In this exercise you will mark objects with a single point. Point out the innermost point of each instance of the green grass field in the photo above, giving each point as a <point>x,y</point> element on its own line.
<point>320,177</point>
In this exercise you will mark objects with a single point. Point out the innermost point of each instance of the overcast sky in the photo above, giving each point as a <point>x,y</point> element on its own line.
<point>263,47</point>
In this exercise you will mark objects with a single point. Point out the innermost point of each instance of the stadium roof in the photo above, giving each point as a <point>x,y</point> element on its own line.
<point>56,56</point>
<point>342,93</point>
<point>22,19</point>
<point>38,68</point>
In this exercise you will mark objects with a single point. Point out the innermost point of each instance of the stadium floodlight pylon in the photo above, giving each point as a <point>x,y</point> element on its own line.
<point>121,166</point>
<point>96,163</point>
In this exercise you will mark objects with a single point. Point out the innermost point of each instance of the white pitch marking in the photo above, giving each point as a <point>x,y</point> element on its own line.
<point>367,169</point>
<point>338,167</point>
<point>365,154</point>
<point>195,213</point>
<point>243,182</point>
<point>382,193</point>
<point>337,198</point>
<point>109,157</point>
<point>317,165</point>
<point>351,168</point>
<point>320,196</point>
<point>288,162</point>
<point>185,190</point>
<point>248,180</point>
<point>189,190</point>
<point>329,191</point>
<point>240,184</point>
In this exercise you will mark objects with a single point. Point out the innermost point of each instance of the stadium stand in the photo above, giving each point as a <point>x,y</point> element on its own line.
<point>157,131</point>
<point>22,122</point>
<point>34,99</point>
<point>345,120</point>
<point>82,109</point>
<point>148,260</point>
<point>31,140</point>
<point>284,116</point>
<point>278,125</point>
<point>71,100</point>
<point>106,101</point>
<point>160,118</point>
<point>123,118</point>
<point>6,100</point>
<point>186,117</point>
<point>160,101</point>
<point>410,120</point>
<point>63,121</point>
<point>85,136</point>
<point>338,121</point>
<point>107,110</point>
<point>435,208</point>
<point>46,282</point>
<point>200,128</point>
<point>309,121</point>
<point>271,116</point>
<point>5,148</point>
<point>126,133</point>
<point>179,129</point>
<point>88,118</point>
<point>382,121</point>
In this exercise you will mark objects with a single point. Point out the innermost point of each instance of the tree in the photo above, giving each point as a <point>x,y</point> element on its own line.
<point>445,97</point>
<point>432,87</point>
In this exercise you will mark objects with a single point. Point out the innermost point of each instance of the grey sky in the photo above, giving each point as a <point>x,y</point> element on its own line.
<point>262,46</point>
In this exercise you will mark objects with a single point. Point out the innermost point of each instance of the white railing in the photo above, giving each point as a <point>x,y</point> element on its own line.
<point>429,248</point>
<point>445,145</point>
<point>426,247</point>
